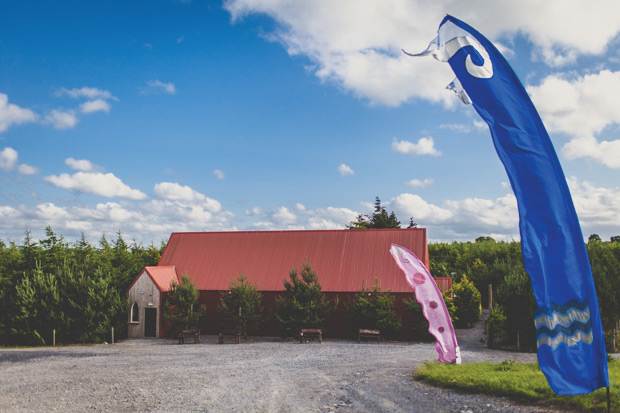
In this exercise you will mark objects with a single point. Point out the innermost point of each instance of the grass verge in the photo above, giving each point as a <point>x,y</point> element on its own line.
<point>521,382</point>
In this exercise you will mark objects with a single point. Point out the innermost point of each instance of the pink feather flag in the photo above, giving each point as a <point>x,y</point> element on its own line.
<point>428,295</point>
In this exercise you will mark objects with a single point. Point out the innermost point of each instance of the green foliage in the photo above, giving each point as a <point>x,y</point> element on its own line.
<point>605,262</point>
<point>521,382</point>
<point>496,326</point>
<point>379,219</point>
<point>303,304</point>
<point>180,309</point>
<point>420,326</point>
<point>466,299</point>
<point>374,309</point>
<point>80,308</point>
<point>241,305</point>
<point>516,298</point>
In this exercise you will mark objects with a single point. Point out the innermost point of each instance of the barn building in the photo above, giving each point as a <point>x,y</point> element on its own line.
<point>344,260</point>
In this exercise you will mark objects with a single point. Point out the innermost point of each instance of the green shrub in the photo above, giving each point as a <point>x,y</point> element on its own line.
<point>516,298</point>
<point>180,307</point>
<point>374,309</point>
<point>303,304</point>
<point>496,326</point>
<point>241,306</point>
<point>466,299</point>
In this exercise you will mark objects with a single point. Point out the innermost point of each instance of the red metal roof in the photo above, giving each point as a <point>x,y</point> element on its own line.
<point>342,259</point>
<point>162,276</point>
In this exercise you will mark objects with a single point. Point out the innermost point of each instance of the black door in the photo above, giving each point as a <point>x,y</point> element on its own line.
<point>150,322</point>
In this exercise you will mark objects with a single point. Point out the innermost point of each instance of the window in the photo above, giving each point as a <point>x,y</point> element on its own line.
<point>135,313</point>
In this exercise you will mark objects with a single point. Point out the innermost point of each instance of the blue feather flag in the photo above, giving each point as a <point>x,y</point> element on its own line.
<point>570,340</point>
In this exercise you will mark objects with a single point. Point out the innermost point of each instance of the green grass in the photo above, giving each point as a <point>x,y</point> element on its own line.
<point>521,382</point>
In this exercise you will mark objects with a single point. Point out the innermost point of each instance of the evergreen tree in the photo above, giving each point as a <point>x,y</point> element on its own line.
<point>374,309</point>
<point>180,307</point>
<point>303,304</point>
<point>241,305</point>
<point>379,219</point>
<point>466,299</point>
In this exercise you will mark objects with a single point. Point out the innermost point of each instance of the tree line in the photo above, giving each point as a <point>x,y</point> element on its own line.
<point>75,288</point>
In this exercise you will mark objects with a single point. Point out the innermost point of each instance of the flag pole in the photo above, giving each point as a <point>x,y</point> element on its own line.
<point>608,401</point>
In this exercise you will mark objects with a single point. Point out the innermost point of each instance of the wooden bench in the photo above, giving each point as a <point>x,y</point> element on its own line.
<point>363,333</point>
<point>189,334</point>
<point>311,333</point>
<point>231,333</point>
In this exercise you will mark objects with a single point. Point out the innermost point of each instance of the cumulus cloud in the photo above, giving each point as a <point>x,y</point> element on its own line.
<point>11,114</point>
<point>96,183</point>
<point>345,170</point>
<point>83,165</point>
<point>219,174</point>
<point>424,146</point>
<point>24,169</point>
<point>97,105</point>
<point>580,107</point>
<point>283,216</point>
<point>356,43</point>
<point>8,162</point>
<point>8,159</point>
<point>62,119</point>
<point>86,92</point>
<point>175,192</point>
<point>157,86</point>
<point>417,183</point>
<point>605,152</point>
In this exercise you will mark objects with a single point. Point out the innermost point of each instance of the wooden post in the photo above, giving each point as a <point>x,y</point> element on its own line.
<point>518,342</point>
<point>490,297</point>
<point>54,338</point>
<point>112,335</point>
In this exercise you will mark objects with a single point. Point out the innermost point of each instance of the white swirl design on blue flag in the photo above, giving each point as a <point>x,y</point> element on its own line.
<point>567,324</point>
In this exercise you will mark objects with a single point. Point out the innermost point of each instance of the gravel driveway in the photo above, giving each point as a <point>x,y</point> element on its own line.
<point>264,375</point>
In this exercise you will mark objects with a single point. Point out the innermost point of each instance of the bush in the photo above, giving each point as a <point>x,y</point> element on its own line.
<point>466,299</point>
<point>496,326</point>
<point>180,307</point>
<point>241,306</point>
<point>303,304</point>
<point>374,309</point>
<point>516,298</point>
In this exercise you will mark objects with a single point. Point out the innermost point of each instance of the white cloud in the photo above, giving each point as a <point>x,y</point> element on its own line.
<point>345,170</point>
<point>11,114</point>
<point>356,43</point>
<point>416,183</point>
<point>97,105</point>
<point>83,165</point>
<point>424,146</point>
<point>219,174</point>
<point>27,169</point>
<point>409,205</point>
<point>8,162</point>
<point>62,119</point>
<point>580,107</point>
<point>86,92</point>
<point>8,159</point>
<point>96,183</point>
<point>174,192</point>
<point>157,86</point>
<point>283,216</point>
<point>605,152</point>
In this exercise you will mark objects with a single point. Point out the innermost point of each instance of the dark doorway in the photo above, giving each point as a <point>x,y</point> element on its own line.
<point>150,322</point>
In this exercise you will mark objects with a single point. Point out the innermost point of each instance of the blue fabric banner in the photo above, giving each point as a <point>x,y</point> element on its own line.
<point>571,345</point>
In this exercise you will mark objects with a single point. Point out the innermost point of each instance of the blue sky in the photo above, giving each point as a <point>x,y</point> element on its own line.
<point>151,117</point>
